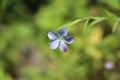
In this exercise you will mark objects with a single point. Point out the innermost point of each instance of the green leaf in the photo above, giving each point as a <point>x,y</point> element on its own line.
<point>85,26</point>
<point>97,20</point>
<point>115,26</point>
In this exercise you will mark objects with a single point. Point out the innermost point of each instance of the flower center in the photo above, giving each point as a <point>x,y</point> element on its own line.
<point>60,37</point>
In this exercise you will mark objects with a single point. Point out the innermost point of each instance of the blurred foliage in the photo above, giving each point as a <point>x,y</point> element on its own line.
<point>24,50</point>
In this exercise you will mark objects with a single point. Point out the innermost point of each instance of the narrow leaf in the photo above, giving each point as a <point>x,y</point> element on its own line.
<point>115,26</point>
<point>85,26</point>
<point>96,21</point>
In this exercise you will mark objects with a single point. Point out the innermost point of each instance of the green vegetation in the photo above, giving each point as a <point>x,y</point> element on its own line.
<point>24,50</point>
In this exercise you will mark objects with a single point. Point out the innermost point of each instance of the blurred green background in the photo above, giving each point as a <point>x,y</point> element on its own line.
<point>24,50</point>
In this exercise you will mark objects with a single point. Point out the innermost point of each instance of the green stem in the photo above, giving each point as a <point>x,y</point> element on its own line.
<point>86,19</point>
<point>68,25</point>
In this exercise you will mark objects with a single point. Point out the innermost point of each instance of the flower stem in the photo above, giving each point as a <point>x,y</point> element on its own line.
<point>87,19</point>
<point>68,25</point>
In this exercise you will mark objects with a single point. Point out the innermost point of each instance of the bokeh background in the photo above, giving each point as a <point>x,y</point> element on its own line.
<point>24,50</point>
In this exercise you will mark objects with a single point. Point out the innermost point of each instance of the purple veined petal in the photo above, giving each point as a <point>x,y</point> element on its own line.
<point>63,46</point>
<point>69,40</point>
<point>54,44</point>
<point>63,32</point>
<point>52,35</point>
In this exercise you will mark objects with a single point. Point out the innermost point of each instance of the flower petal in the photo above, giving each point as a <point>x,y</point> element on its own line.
<point>63,46</point>
<point>69,40</point>
<point>109,65</point>
<point>52,35</point>
<point>54,44</point>
<point>63,32</point>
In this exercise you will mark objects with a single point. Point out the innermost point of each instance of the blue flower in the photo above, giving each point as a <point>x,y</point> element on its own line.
<point>59,39</point>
